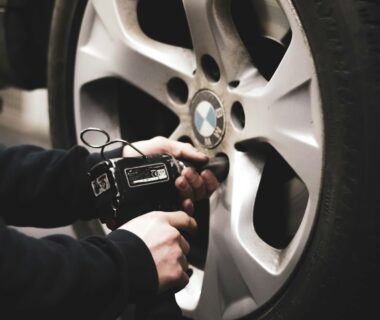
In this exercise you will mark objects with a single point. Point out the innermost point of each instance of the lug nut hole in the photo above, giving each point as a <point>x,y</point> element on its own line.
<point>178,90</point>
<point>186,139</point>
<point>234,84</point>
<point>238,115</point>
<point>210,68</point>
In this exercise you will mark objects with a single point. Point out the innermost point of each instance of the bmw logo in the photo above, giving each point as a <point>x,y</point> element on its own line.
<point>207,118</point>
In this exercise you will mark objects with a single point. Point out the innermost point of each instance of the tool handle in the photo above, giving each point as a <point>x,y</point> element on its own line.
<point>218,165</point>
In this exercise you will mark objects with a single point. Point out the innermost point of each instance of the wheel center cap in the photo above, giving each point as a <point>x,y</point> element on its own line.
<point>208,118</point>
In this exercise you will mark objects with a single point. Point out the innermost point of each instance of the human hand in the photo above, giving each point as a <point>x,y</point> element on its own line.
<point>192,186</point>
<point>195,187</point>
<point>165,145</point>
<point>160,232</point>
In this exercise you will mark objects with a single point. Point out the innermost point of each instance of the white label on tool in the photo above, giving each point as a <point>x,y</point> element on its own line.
<point>144,175</point>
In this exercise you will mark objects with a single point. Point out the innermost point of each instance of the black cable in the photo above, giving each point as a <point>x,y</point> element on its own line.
<point>107,143</point>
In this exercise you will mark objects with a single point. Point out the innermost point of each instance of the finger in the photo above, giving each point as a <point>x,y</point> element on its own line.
<point>186,150</point>
<point>188,206</point>
<point>210,181</point>
<point>181,220</point>
<point>185,247</point>
<point>184,187</point>
<point>183,262</point>
<point>176,285</point>
<point>196,182</point>
<point>183,281</point>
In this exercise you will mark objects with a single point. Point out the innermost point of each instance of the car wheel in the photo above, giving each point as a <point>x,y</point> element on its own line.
<point>289,91</point>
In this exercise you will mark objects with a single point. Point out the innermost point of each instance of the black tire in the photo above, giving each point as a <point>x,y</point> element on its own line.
<point>64,33</point>
<point>338,274</point>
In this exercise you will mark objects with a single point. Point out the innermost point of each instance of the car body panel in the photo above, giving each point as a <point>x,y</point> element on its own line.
<point>24,33</point>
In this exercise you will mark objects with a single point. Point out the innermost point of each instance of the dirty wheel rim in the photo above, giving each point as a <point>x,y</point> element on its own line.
<point>242,271</point>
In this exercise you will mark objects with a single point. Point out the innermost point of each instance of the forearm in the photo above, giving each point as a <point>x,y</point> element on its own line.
<point>95,277</point>
<point>45,188</point>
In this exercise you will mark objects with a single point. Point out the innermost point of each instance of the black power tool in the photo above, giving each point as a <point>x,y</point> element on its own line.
<point>125,188</point>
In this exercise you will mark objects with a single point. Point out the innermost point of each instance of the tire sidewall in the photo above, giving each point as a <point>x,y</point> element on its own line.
<point>66,23</point>
<point>67,17</point>
<point>338,269</point>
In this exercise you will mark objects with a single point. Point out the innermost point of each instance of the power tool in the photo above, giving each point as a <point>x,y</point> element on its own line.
<point>125,188</point>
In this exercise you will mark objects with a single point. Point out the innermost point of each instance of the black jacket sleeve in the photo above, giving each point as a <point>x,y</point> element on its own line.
<point>46,188</point>
<point>58,277</point>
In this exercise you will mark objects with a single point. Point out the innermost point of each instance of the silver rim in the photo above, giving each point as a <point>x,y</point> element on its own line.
<point>242,271</point>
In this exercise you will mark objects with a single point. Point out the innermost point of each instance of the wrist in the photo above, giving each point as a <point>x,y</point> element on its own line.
<point>141,270</point>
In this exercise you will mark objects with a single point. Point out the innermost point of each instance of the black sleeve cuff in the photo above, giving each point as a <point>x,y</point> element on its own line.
<point>143,273</point>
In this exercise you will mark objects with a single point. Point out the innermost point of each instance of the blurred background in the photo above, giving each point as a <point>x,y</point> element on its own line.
<point>24,38</point>
<point>24,120</point>
<point>24,117</point>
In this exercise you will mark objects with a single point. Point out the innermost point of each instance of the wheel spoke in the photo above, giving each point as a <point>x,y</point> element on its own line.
<point>256,261</point>
<point>302,152</point>
<point>295,69</point>
<point>291,127</point>
<point>213,33</point>
<point>182,130</point>
<point>210,301</point>
<point>263,268</point>
<point>240,272</point>
<point>224,293</point>
<point>130,56</point>
<point>108,13</point>
<point>285,112</point>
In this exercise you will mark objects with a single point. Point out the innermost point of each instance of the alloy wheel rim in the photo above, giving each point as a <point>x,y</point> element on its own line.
<point>242,271</point>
